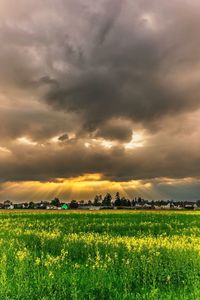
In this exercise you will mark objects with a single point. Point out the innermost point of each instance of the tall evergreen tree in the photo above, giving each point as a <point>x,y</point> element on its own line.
<point>107,200</point>
<point>117,199</point>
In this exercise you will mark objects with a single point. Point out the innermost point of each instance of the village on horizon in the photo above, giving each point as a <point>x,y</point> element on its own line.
<point>103,203</point>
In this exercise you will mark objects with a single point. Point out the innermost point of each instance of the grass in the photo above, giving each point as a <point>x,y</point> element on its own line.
<point>99,255</point>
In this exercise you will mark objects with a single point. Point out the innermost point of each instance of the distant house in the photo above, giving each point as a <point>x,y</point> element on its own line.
<point>147,206</point>
<point>25,205</point>
<point>18,205</point>
<point>138,206</point>
<point>189,206</point>
<point>10,207</point>
<point>65,206</point>
<point>176,206</point>
<point>167,206</point>
<point>51,207</point>
<point>156,207</point>
<point>94,208</point>
<point>196,207</point>
<point>84,207</point>
<point>106,207</point>
<point>43,205</point>
<point>8,204</point>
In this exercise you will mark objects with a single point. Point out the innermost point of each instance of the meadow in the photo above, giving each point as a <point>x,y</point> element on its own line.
<point>99,255</point>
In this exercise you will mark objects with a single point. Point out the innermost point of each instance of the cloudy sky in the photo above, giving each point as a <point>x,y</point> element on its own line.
<point>99,96</point>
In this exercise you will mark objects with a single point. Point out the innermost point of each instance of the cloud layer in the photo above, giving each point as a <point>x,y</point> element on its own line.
<point>111,87</point>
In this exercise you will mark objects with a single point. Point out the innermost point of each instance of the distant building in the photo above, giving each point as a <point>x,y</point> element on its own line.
<point>94,208</point>
<point>10,207</point>
<point>167,206</point>
<point>147,206</point>
<point>8,204</point>
<point>51,207</point>
<point>65,206</point>
<point>189,206</point>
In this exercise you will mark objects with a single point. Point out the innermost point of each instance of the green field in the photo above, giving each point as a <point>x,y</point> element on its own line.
<point>99,255</point>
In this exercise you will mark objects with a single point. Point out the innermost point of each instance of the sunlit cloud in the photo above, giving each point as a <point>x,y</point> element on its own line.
<point>108,88</point>
<point>26,141</point>
<point>136,141</point>
<point>148,20</point>
<point>4,150</point>
<point>85,186</point>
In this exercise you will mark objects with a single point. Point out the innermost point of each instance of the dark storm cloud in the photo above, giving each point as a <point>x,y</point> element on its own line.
<point>130,73</point>
<point>105,60</point>
<point>116,131</point>
<point>37,123</point>
<point>171,158</point>
<point>112,12</point>
<point>63,137</point>
<point>83,72</point>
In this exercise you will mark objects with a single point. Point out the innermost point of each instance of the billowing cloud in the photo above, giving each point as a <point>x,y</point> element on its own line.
<point>109,88</point>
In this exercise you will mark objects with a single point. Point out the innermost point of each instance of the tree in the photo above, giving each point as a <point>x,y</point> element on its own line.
<point>107,200</point>
<point>128,203</point>
<point>73,204</point>
<point>55,202</point>
<point>117,199</point>
<point>31,205</point>
<point>133,202</point>
<point>89,202</point>
<point>124,202</point>
<point>97,200</point>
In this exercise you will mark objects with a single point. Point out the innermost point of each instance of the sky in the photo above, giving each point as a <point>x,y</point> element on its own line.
<point>99,96</point>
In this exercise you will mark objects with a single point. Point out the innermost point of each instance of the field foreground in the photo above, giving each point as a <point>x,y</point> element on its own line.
<point>100,255</point>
